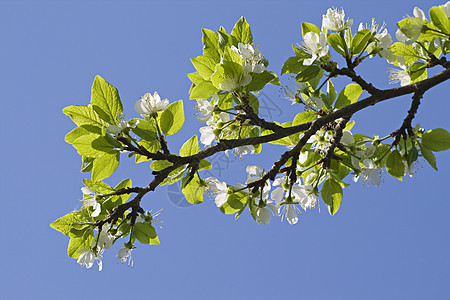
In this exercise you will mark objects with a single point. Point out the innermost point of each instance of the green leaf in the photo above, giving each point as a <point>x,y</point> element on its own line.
<point>436,139</point>
<point>84,115</point>
<point>105,165</point>
<point>304,117</point>
<point>332,195</point>
<point>204,165</point>
<point>348,95</point>
<point>145,233</point>
<point>172,119</point>
<point>407,51</point>
<point>225,39</point>
<point>143,129</point>
<point>195,77</point>
<point>87,163</point>
<point>80,131</point>
<point>210,40</point>
<point>92,145</point>
<point>205,66</point>
<point>159,165</point>
<point>105,100</point>
<point>360,40</point>
<point>307,73</point>
<point>336,42</point>
<point>194,190</point>
<point>66,223</point>
<point>395,165</point>
<point>308,27</point>
<point>242,31</point>
<point>98,186</point>
<point>440,19</point>
<point>77,244</point>
<point>234,203</point>
<point>259,81</point>
<point>429,156</point>
<point>331,92</point>
<point>203,90</point>
<point>190,147</point>
<point>418,72</point>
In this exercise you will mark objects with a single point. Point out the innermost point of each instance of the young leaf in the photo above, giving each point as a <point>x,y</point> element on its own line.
<point>348,95</point>
<point>203,90</point>
<point>259,81</point>
<point>440,19</point>
<point>145,233</point>
<point>143,129</point>
<point>205,66</point>
<point>308,27</point>
<point>234,203</point>
<point>210,40</point>
<point>336,42</point>
<point>84,115</point>
<point>78,243</point>
<point>436,139</point>
<point>407,51</point>
<point>429,156</point>
<point>105,165</point>
<point>172,119</point>
<point>360,40</point>
<point>65,223</point>
<point>105,100</point>
<point>332,195</point>
<point>395,165</point>
<point>190,147</point>
<point>193,191</point>
<point>242,31</point>
<point>304,117</point>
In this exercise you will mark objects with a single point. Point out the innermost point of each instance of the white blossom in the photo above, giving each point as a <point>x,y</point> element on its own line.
<point>382,41</point>
<point>252,58</point>
<point>150,104</point>
<point>334,20</point>
<point>120,126</point>
<point>89,200</point>
<point>88,257</point>
<point>125,256</point>
<point>218,189</point>
<point>315,45</point>
<point>400,75</point>
<point>369,173</point>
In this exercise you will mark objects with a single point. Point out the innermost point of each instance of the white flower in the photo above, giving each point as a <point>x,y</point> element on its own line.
<point>88,257</point>
<point>219,189</point>
<point>409,169</point>
<point>315,45</point>
<point>369,173</point>
<point>286,210</point>
<point>121,125</point>
<point>207,135</point>
<point>409,33</point>
<point>401,76</point>
<point>231,84</point>
<point>300,87</point>
<point>105,239</point>
<point>124,255</point>
<point>150,104</point>
<point>242,150</point>
<point>89,200</point>
<point>315,101</point>
<point>447,9</point>
<point>263,213</point>
<point>304,194</point>
<point>206,108</point>
<point>347,138</point>
<point>334,20</point>
<point>382,41</point>
<point>252,58</point>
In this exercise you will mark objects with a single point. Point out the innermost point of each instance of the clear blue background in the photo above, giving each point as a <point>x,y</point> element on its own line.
<point>390,242</point>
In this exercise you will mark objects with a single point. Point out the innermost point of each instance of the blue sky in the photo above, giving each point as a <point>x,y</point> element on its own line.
<point>390,242</point>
